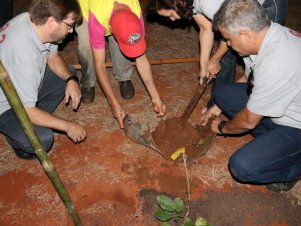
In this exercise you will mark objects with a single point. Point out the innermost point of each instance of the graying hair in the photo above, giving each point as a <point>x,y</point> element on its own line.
<point>233,15</point>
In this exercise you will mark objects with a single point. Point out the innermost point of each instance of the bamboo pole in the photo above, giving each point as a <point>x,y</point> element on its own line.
<point>24,120</point>
<point>155,62</point>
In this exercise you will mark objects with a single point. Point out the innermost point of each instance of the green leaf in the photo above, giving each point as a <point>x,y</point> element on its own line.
<point>201,141</point>
<point>166,203</point>
<point>175,219</point>
<point>178,205</point>
<point>165,224</point>
<point>181,215</point>
<point>188,222</point>
<point>201,222</point>
<point>163,215</point>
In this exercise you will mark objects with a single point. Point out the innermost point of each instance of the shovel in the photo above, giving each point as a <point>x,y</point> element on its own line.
<point>141,134</point>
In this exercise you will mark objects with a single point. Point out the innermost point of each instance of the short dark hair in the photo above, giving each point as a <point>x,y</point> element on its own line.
<point>40,10</point>
<point>236,14</point>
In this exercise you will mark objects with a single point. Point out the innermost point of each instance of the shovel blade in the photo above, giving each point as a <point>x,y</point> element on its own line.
<point>139,133</point>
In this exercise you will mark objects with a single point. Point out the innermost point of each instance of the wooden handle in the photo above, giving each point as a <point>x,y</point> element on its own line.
<point>155,62</point>
<point>193,102</point>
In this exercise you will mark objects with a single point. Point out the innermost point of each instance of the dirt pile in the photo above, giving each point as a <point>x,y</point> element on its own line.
<point>173,134</point>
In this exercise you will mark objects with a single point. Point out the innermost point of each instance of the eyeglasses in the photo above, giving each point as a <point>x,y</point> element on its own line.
<point>70,27</point>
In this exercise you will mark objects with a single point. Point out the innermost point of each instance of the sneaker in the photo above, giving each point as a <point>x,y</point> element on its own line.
<point>127,90</point>
<point>88,95</point>
<point>281,187</point>
<point>24,155</point>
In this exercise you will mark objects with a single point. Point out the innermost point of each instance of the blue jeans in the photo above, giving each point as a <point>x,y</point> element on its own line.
<point>274,155</point>
<point>276,11</point>
<point>226,75</point>
<point>50,95</point>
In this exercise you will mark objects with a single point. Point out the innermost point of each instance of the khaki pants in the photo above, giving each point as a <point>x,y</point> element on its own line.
<point>122,68</point>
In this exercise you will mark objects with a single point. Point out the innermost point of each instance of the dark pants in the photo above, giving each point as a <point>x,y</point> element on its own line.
<point>50,95</point>
<point>226,75</point>
<point>276,11</point>
<point>275,153</point>
<point>6,11</point>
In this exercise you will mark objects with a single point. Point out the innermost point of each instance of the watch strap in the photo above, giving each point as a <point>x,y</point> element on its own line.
<point>72,77</point>
<point>221,126</point>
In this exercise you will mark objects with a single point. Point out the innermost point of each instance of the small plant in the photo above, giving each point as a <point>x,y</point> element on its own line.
<point>169,209</point>
<point>200,143</point>
<point>173,210</point>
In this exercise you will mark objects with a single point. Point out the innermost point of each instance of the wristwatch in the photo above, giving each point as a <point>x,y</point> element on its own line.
<point>72,77</point>
<point>221,126</point>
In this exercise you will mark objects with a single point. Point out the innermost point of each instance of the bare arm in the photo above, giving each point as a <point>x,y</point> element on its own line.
<point>214,62</point>
<point>243,121</point>
<point>42,118</point>
<point>145,72</point>
<point>102,75</point>
<point>57,64</point>
<point>206,38</point>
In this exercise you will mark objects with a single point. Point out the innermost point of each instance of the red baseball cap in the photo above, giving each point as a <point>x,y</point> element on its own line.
<point>127,29</point>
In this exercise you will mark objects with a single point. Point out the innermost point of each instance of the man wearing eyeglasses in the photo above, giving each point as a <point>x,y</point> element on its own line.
<point>28,51</point>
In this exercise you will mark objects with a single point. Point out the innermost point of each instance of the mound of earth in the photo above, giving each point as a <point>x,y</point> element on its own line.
<point>173,134</point>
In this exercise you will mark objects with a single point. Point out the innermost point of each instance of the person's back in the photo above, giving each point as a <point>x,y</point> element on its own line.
<point>122,24</point>
<point>24,56</point>
<point>277,75</point>
<point>98,13</point>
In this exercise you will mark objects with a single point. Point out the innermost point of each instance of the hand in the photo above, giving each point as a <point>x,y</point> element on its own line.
<point>76,132</point>
<point>214,67</point>
<point>119,114</point>
<point>210,114</point>
<point>205,77</point>
<point>159,107</point>
<point>214,125</point>
<point>72,93</point>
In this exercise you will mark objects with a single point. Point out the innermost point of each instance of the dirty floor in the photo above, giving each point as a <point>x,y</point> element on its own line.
<point>114,181</point>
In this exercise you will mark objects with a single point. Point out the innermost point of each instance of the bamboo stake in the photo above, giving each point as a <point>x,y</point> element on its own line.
<point>24,120</point>
<point>155,62</point>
